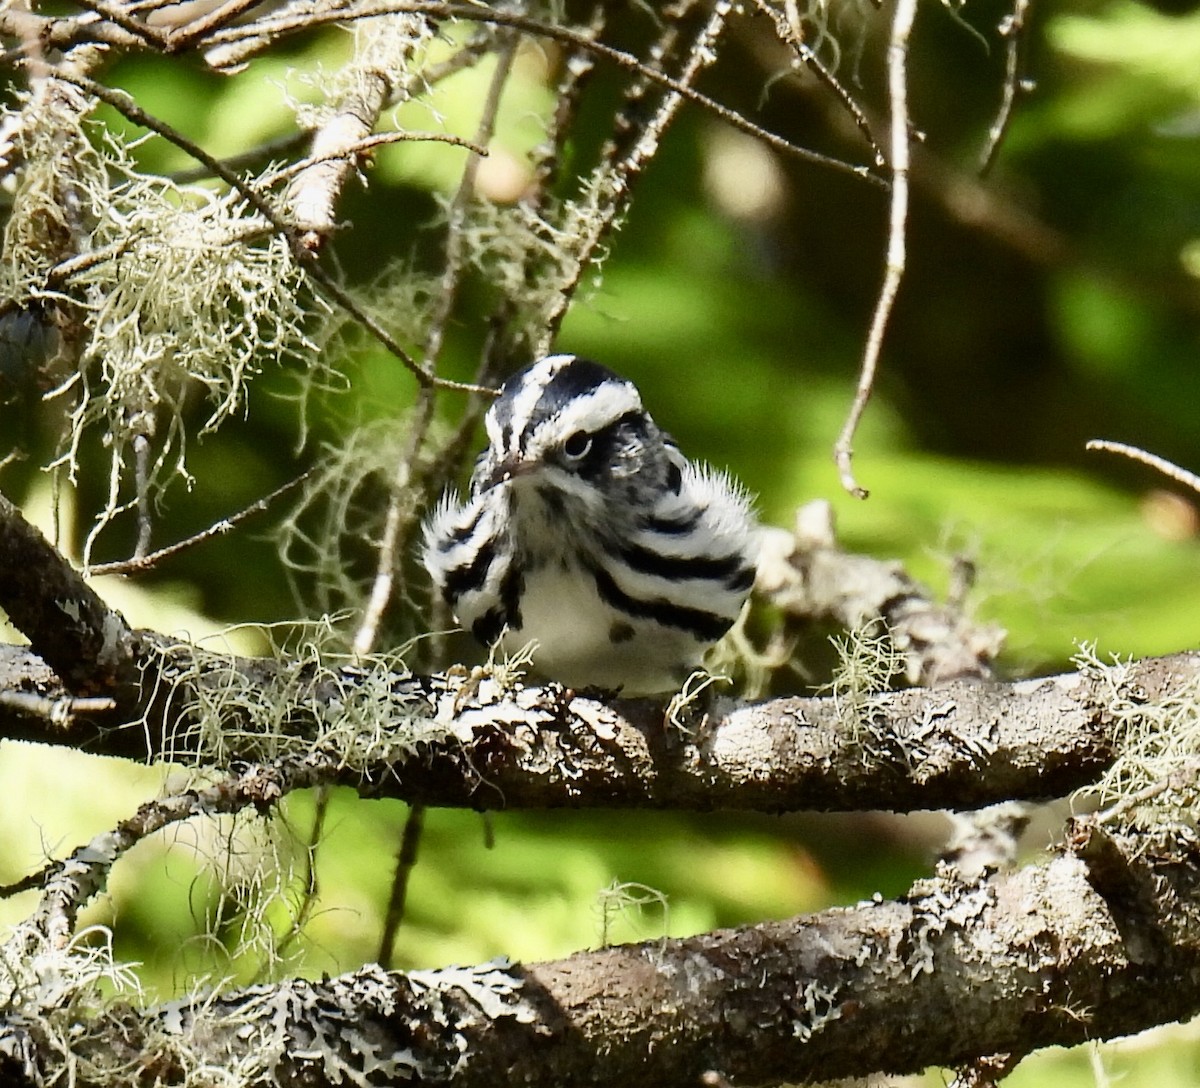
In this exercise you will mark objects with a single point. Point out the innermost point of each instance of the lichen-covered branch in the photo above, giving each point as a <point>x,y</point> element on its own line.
<point>68,885</point>
<point>1053,954</point>
<point>461,742</point>
<point>486,741</point>
<point>383,52</point>
<point>811,579</point>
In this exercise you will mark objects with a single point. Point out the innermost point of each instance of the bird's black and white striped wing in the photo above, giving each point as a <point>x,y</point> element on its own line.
<point>469,557</point>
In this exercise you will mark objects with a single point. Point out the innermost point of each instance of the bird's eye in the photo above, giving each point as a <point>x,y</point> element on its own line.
<point>577,445</point>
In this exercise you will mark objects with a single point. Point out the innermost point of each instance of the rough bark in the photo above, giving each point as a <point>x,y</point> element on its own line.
<point>1098,942</point>
<point>1053,954</point>
<point>475,744</point>
<point>472,741</point>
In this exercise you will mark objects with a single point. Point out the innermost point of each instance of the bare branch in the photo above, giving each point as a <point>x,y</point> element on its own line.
<point>402,509</point>
<point>141,452</point>
<point>276,27</point>
<point>789,31</point>
<point>140,563</point>
<point>1012,29</point>
<point>1168,468</point>
<point>182,37</point>
<point>902,22</point>
<point>360,148</point>
<point>406,860</point>
<point>118,17</point>
<point>58,712</point>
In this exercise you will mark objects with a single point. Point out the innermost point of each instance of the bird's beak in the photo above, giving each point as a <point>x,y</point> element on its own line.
<point>508,470</point>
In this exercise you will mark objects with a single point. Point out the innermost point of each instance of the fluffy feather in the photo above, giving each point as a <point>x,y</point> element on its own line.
<point>588,531</point>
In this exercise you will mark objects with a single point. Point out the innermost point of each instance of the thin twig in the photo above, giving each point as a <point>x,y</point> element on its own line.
<point>467,56</point>
<point>577,69</point>
<point>791,35</point>
<point>28,883</point>
<point>902,23</point>
<point>1012,29</point>
<point>505,342</point>
<point>83,262</point>
<point>68,885</point>
<point>284,145</point>
<point>139,563</point>
<point>119,18</point>
<point>344,299</point>
<point>636,140</point>
<point>261,155</point>
<point>1181,476</point>
<point>294,24</point>
<point>846,100</point>
<point>140,7</point>
<point>65,269</point>
<point>1182,779</point>
<point>400,515</point>
<point>369,143</point>
<point>141,454</point>
<point>456,251</point>
<point>180,38</point>
<point>406,861</point>
<point>58,711</point>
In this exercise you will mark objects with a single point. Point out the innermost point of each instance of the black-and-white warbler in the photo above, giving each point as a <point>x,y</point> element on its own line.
<point>588,531</point>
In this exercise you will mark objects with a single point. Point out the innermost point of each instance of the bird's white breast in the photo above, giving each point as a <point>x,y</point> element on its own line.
<point>584,642</point>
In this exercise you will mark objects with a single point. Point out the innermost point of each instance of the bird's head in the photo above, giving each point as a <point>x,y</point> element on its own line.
<point>574,427</point>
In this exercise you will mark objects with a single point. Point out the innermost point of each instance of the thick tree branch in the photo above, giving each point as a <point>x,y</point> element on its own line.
<point>1054,954</point>
<point>478,742</point>
<point>449,742</point>
<point>473,741</point>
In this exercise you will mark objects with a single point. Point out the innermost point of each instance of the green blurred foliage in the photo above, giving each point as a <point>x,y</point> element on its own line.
<point>744,335</point>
